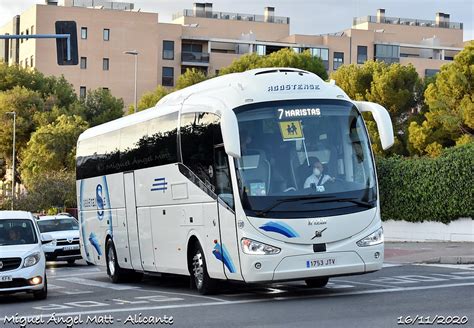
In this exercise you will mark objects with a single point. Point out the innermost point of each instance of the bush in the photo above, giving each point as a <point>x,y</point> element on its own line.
<point>431,189</point>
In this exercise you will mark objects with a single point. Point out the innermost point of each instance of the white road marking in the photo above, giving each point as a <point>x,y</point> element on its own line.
<point>362,283</point>
<point>100,284</point>
<point>391,265</point>
<point>184,294</point>
<point>180,306</point>
<point>449,266</point>
<point>338,286</point>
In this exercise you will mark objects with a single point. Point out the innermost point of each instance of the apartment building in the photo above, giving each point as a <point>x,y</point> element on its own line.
<point>206,39</point>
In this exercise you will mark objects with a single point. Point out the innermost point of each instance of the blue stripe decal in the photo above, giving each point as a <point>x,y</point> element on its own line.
<point>81,219</point>
<point>221,253</point>
<point>280,228</point>
<point>160,184</point>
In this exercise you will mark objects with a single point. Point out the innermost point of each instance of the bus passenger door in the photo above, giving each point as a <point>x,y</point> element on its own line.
<point>228,247</point>
<point>132,226</point>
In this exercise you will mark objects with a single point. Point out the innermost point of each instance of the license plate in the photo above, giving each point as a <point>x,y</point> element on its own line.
<point>70,248</point>
<point>6,278</point>
<point>320,263</point>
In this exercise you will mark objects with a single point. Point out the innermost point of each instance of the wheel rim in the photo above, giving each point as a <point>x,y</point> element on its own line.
<point>198,269</point>
<point>111,261</point>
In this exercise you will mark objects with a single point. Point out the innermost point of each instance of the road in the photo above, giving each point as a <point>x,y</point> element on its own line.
<point>82,296</point>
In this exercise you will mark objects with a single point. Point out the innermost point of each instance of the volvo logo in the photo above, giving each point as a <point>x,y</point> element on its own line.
<point>1,265</point>
<point>318,233</point>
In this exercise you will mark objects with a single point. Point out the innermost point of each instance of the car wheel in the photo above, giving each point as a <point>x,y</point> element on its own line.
<point>317,282</point>
<point>115,272</point>
<point>43,293</point>
<point>204,284</point>
<point>71,262</point>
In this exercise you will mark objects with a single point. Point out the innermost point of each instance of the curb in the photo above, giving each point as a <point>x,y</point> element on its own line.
<point>451,260</point>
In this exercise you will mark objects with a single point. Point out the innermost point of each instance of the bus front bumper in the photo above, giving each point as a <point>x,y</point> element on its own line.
<point>325,264</point>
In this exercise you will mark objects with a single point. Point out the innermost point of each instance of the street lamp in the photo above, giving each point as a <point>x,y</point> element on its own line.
<point>14,154</point>
<point>134,53</point>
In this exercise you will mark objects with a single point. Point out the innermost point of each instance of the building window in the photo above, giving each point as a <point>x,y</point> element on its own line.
<point>361,54</point>
<point>105,89</point>
<point>338,60</point>
<point>31,61</point>
<point>32,29</point>
<point>431,72</point>
<point>168,50</point>
<point>21,63</point>
<point>323,54</point>
<point>387,53</point>
<point>106,34</point>
<point>83,62</point>
<point>84,33</point>
<point>105,64</point>
<point>82,92</point>
<point>21,40</point>
<point>26,62</point>
<point>168,77</point>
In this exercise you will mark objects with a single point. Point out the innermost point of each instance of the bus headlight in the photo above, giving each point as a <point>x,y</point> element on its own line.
<point>253,247</point>
<point>374,238</point>
<point>32,260</point>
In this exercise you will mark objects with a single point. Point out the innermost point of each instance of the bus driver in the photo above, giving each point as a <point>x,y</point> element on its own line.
<point>317,179</point>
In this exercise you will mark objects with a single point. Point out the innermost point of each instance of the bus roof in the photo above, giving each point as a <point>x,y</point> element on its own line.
<point>230,91</point>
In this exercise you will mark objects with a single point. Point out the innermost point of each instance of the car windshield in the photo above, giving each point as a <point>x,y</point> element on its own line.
<point>303,157</point>
<point>58,225</point>
<point>17,232</point>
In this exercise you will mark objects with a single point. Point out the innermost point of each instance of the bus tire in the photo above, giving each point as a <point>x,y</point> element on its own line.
<point>317,282</point>
<point>115,272</point>
<point>204,284</point>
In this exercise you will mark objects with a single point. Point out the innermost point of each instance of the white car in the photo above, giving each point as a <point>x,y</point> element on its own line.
<point>64,232</point>
<point>22,260</point>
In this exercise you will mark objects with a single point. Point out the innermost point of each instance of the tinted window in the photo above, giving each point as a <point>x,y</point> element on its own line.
<point>199,133</point>
<point>142,145</point>
<point>361,54</point>
<point>168,76</point>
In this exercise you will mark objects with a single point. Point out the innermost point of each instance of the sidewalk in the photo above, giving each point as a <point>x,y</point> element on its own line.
<point>429,252</point>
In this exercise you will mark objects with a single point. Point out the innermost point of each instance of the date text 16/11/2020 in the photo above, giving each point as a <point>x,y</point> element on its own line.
<point>432,320</point>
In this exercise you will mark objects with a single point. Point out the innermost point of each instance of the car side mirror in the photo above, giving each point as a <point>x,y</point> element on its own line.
<point>382,118</point>
<point>46,239</point>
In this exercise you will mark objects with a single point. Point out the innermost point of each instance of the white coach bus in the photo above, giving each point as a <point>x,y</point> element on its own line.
<point>261,176</point>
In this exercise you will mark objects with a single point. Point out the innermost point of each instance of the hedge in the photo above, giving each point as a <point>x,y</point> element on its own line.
<point>428,189</point>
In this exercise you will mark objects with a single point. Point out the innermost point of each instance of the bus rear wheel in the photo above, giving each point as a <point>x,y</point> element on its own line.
<point>204,284</point>
<point>317,282</point>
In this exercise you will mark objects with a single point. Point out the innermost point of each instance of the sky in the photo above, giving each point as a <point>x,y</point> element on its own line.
<point>306,16</point>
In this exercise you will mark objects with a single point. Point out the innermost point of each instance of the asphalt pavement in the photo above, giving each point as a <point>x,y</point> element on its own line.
<point>405,292</point>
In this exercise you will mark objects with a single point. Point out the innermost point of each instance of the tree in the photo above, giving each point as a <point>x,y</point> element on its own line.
<point>51,148</point>
<point>449,117</point>
<point>396,87</point>
<point>99,107</point>
<point>53,189</point>
<point>190,77</point>
<point>149,99</point>
<point>26,104</point>
<point>282,58</point>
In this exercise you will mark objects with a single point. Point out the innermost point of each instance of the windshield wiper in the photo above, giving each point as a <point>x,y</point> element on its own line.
<point>344,200</point>
<point>287,200</point>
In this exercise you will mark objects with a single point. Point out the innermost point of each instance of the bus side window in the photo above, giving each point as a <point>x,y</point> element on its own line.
<point>223,180</point>
<point>199,133</point>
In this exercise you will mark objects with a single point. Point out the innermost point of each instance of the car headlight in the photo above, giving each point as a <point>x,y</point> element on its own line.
<point>253,247</point>
<point>32,259</point>
<point>52,243</point>
<point>374,238</point>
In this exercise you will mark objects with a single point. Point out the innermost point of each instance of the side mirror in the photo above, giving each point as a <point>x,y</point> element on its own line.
<point>46,238</point>
<point>230,134</point>
<point>382,118</point>
<point>63,45</point>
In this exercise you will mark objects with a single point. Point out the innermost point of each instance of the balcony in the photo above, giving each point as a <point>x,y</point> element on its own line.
<point>232,16</point>
<point>193,58</point>
<point>407,21</point>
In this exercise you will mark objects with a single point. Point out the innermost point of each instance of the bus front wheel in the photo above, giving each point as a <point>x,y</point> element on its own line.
<point>204,284</point>
<point>317,282</point>
<point>115,272</point>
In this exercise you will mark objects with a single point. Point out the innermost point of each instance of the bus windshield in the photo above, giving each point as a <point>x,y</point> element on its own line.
<point>306,157</point>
